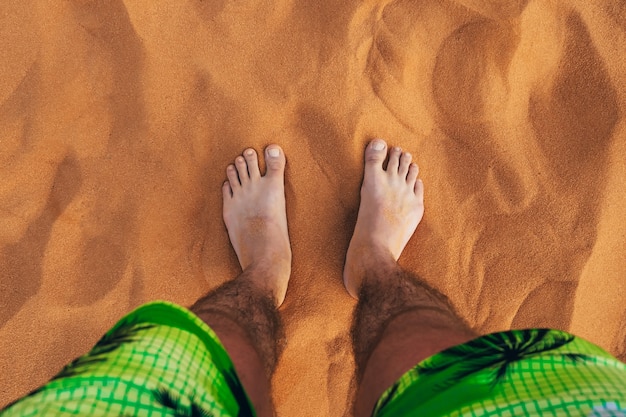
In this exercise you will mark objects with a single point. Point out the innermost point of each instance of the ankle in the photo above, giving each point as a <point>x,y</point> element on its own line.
<point>366,266</point>
<point>366,257</point>
<point>269,278</point>
<point>270,267</point>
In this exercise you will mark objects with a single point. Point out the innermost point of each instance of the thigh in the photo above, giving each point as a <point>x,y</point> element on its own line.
<point>408,339</point>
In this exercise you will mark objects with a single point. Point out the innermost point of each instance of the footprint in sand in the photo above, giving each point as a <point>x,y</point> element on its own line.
<point>404,54</point>
<point>574,119</point>
<point>21,257</point>
<point>453,81</point>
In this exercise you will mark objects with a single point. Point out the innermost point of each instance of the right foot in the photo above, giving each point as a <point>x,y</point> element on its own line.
<point>392,205</point>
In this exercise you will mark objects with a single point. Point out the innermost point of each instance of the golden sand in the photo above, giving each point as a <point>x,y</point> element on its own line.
<point>118,118</point>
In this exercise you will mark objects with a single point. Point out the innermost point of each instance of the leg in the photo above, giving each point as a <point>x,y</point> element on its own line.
<point>399,321</point>
<point>243,312</point>
<point>396,326</point>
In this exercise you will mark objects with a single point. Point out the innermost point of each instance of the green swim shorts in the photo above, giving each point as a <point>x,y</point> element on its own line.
<point>535,372</point>
<point>162,360</point>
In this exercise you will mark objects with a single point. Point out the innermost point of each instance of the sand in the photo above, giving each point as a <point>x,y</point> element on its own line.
<point>118,118</point>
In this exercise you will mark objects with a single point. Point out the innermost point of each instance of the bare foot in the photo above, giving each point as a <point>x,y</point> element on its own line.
<point>256,219</point>
<point>392,205</point>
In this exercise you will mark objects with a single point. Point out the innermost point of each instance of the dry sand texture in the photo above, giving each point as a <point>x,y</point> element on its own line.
<point>117,119</point>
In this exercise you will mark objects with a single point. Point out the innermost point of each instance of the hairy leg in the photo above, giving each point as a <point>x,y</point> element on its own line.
<point>243,312</point>
<point>246,320</point>
<point>398,322</point>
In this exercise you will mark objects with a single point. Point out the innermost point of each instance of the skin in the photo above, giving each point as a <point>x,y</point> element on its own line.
<point>243,312</point>
<point>398,321</point>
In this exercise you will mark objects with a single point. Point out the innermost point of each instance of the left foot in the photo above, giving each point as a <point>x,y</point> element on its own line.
<point>256,219</point>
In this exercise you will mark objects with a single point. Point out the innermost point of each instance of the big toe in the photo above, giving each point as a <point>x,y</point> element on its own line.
<point>375,154</point>
<point>275,161</point>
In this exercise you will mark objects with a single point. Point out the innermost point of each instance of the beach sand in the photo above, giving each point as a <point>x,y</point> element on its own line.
<point>118,118</point>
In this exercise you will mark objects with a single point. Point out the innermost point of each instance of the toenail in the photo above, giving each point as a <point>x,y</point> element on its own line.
<point>397,149</point>
<point>230,167</point>
<point>273,152</point>
<point>408,155</point>
<point>249,152</point>
<point>240,159</point>
<point>378,145</point>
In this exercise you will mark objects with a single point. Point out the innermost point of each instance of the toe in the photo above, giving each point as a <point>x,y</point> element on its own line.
<point>274,160</point>
<point>411,177</point>
<point>242,170</point>
<point>253,163</point>
<point>233,179</point>
<point>405,161</point>
<point>227,192</point>
<point>419,189</point>
<point>394,160</point>
<point>375,153</point>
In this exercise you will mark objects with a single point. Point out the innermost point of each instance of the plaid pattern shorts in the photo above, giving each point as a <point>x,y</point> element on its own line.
<point>535,372</point>
<point>162,360</point>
